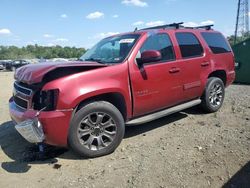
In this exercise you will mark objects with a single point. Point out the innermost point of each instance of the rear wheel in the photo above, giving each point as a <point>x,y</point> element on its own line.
<point>96,129</point>
<point>213,96</point>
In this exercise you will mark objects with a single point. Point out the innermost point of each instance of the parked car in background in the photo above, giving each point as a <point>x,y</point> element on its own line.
<point>1,67</point>
<point>3,64</point>
<point>13,65</point>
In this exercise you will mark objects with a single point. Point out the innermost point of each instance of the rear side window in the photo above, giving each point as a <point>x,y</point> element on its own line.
<point>160,42</point>
<point>216,42</point>
<point>189,45</point>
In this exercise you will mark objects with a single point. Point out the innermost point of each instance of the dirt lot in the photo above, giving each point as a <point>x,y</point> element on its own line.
<point>187,149</point>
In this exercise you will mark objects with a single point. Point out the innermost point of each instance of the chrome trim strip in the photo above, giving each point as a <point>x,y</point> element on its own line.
<point>163,113</point>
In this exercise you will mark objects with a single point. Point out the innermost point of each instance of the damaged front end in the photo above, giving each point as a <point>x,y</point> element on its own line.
<point>32,97</point>
<point>35,107</point>
<point>46,100</point>
<point>34,111</point>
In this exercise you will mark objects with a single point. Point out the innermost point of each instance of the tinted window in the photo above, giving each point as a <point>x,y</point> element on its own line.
<point>189,45</point>
<point>216,42</point>
<point>160,42</point>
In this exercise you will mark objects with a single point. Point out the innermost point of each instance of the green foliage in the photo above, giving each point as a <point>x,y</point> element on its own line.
<point>36,51</point>
<point>238,39</point>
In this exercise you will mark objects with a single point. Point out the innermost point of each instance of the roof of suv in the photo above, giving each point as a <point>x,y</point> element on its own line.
<point>174,26</point>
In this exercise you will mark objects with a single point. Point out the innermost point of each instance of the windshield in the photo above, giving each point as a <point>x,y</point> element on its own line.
<point>111,50</point>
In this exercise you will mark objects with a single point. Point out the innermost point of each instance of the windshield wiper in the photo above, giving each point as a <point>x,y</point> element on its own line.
<point>98,60</point>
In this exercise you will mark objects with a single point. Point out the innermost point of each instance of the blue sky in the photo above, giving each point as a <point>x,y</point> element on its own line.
<point>82,23</point>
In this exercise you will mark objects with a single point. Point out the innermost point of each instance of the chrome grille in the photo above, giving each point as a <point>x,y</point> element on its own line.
<point>22,89</point>
<point>22,96</point>
<point>20,102</point>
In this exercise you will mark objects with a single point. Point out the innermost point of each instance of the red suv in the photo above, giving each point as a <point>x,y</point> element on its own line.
<point>127,78</point>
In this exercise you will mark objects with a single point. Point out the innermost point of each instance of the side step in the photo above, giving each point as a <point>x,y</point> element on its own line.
<point>163,113</point>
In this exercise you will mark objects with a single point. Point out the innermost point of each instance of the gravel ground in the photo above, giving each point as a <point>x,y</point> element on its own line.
<point>186,149</point>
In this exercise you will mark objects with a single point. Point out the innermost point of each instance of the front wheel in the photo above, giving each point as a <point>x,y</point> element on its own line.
<point>213,96</point>
<point>96,129</point>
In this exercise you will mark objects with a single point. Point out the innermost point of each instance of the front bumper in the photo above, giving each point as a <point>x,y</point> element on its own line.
<point>31,130</point>
<point>55,124</point>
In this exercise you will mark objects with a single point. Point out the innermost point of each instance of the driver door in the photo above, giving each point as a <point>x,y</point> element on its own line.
<point>156,85</point>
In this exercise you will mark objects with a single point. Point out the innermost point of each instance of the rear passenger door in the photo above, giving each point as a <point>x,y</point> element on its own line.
<point>193,59</point>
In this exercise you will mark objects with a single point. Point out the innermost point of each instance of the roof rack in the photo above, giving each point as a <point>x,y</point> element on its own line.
<point>206,27</point>
<point>176,26</point>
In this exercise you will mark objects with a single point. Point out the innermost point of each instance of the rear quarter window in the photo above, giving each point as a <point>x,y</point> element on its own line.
<point>216,42</point>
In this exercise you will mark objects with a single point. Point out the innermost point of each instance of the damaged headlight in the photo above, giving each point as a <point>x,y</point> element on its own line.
<point>46,99</point>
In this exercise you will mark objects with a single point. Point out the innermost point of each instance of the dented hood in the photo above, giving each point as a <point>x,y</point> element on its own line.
<point>34,73</point>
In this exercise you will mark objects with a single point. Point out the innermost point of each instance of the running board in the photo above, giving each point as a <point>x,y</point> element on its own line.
<point>163,113</point>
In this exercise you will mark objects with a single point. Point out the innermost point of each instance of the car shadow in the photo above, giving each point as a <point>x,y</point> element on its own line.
<point>20,154</point>
<point>137,129</point>
<point>240,179</point>
<point>195,110</point>
<point>241,83</point>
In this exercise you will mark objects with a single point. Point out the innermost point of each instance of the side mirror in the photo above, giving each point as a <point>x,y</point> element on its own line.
<point>149,56</point>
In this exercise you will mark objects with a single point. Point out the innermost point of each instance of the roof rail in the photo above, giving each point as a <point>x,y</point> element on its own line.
<point>175,25</point>
<point>206,27</point>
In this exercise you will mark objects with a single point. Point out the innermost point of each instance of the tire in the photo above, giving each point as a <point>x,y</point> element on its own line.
<point>96,129</point>
<point>213,96</point>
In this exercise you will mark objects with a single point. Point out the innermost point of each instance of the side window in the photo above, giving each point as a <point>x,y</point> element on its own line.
<point>189,45</point>
<point>160,42</point>
<point>216,42</point>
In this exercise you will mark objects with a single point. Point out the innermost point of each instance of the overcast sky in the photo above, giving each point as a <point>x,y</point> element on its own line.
<point>82,23</point>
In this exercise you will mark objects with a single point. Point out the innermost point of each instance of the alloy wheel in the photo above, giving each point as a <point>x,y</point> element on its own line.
<point>216,95</point>
<point>97,131</point>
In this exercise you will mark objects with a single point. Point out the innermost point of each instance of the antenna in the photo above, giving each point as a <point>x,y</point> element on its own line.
<point>242,20</point>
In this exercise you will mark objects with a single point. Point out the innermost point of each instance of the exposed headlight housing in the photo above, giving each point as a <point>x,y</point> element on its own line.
<point>46,99</point>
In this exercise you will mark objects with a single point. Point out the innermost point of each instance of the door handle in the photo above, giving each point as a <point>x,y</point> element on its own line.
<point>204,64</point>
<point>174,70</point>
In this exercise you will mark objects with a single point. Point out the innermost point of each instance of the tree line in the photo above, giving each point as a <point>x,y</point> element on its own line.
<point>232,41</point>
<point>36,51</point>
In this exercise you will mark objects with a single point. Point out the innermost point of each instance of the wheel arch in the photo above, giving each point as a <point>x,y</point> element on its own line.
<point>219,74</point>
<point>115,98</point>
